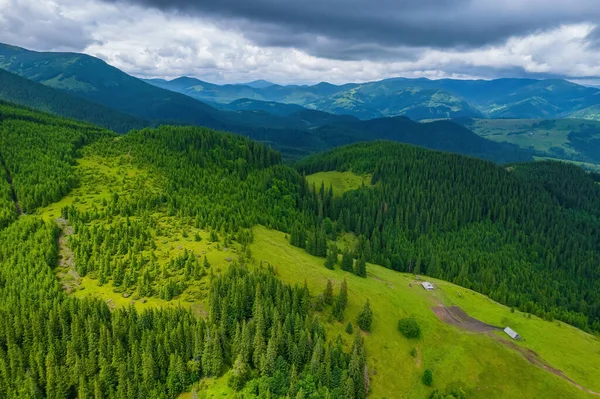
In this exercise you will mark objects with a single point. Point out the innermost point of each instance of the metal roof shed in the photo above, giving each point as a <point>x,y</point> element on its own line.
<point>512,333</point>
<point>427,285</point>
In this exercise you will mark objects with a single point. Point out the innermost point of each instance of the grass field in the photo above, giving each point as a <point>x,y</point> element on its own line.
<point>339,181</point>
<point>481,365</point>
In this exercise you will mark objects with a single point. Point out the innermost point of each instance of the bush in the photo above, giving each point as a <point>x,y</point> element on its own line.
<point>349,328</point>
<point>409,327</point>
<point>428,378</point>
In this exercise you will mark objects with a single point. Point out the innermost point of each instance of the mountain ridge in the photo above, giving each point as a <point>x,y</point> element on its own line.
<point>443,98</point>
<point>295,131</point>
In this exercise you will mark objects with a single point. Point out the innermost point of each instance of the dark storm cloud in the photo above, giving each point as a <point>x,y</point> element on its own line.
<point>361,24</point>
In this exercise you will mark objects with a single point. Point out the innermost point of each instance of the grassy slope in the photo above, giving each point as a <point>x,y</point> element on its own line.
<point>479,363</point>
<point>100,178</point>
<point>541,135</point>
<point>526,132</point>
<point>340,181</point>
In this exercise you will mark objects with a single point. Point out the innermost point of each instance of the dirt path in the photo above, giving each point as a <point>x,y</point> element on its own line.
<point>533,358</point>
<point>454,315</point>
<point>68,276</point>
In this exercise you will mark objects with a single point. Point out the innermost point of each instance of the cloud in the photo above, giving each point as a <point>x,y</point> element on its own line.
<point>310,25</point>
<point>231,46</point>
<point>40,25</point>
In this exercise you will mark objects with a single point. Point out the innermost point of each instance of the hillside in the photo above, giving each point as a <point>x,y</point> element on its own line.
<point>568,139</point>
<point>590,113</point>
<point>158,262</point>
<point>293,130</point>
<point>92,79</point>
<point>18,90</point>
<point>510,240</point>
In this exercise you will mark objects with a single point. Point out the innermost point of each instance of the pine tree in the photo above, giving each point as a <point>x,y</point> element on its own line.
<point>341,301</point>
<point>361,267</point>
<point>239,373</point>
<point>365,317</point>
<point>328,294</point>
<point>332,257</point>
<point>347,261</point>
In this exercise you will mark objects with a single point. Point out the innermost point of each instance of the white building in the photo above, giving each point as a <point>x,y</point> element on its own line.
<point>427,285</point>
<point>512,333</point>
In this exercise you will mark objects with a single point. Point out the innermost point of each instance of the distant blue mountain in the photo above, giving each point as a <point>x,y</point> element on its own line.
<point>417,99</point>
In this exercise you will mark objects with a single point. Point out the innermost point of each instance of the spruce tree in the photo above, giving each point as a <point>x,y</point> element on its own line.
<point>328,294</point>
<point>365,317</point>
<point>361,267</point>
<point>332,257</point>
<point>341,301</point>
<point>347,261</point>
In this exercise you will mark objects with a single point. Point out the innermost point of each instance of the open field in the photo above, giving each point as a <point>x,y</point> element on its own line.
<point>340,181</point>
<point>480,364</point>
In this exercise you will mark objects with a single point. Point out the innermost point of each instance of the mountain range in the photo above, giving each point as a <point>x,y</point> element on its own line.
<point>292,129</point>
<point>418,99</point>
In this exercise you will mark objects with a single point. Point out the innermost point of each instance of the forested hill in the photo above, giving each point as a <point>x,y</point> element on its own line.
<point>165,222</point>
<point>36,155</point>
<point>67,347</point>
<point>527,235</point>
<point>124,102</point>
<point>18,90</point>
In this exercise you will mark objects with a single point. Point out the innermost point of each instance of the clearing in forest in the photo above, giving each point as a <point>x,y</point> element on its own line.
<point>478,363</point>
<point>339,181</point>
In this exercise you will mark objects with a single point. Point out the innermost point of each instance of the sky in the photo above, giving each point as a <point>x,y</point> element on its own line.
<point>309,41</point>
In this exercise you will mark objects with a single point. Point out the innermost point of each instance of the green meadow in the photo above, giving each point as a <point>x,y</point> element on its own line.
<point>478,363</point>
<point>339,181</point>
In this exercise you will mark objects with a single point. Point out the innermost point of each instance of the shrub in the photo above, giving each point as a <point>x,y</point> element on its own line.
<point>409,327</point>
<point>349,328</point>
<point>428,378</point>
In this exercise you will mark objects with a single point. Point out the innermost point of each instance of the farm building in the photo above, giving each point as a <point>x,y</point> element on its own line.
<point>512,333</point>
<point>427,285</point>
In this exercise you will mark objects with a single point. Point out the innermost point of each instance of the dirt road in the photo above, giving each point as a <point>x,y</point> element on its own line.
<point>454,315</point>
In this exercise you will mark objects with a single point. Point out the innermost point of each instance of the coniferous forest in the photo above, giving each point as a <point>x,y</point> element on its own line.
<point>526,235</point>
<point>55,346</point>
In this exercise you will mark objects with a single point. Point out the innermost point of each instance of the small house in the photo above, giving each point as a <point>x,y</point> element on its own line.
<point>427,285</point>
<point>512,333</point>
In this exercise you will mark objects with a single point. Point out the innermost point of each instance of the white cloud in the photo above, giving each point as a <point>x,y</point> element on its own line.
<point>150,43</point>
